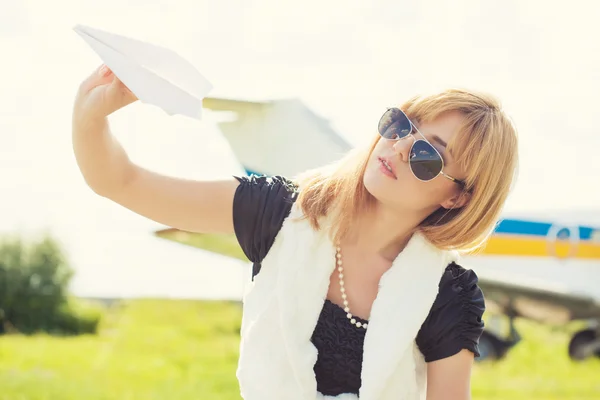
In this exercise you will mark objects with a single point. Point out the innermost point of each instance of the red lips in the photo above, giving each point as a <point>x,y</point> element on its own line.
<point>384,168</point>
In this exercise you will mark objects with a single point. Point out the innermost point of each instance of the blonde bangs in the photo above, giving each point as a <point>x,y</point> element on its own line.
<point>485,148</point>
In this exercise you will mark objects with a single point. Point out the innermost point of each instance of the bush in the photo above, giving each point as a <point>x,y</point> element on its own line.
<point>77,317</point>
<point>34,279</point>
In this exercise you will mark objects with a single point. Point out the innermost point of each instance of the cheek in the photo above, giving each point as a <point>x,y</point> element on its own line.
<point>382,145</point>
<point>436,192</point>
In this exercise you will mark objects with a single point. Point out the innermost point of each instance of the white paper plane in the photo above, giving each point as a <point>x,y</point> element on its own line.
<point>155,74</point>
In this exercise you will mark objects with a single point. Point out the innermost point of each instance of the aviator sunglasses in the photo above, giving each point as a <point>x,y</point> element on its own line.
<point>426,163</point>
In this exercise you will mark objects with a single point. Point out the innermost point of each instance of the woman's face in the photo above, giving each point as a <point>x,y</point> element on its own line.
<point>402,190</point>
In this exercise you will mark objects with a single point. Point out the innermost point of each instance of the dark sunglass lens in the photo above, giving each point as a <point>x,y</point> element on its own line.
<point>394,124</point>
<point>425,161</point>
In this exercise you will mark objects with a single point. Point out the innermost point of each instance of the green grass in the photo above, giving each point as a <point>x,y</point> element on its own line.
<point>538,368</point>
<point>185,350</point>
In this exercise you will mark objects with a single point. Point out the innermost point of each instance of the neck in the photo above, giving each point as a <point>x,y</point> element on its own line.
<point>385,231</point>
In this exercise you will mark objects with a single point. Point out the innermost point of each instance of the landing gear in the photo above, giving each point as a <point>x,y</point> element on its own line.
<point>493,347</point>
<point>584,344</point>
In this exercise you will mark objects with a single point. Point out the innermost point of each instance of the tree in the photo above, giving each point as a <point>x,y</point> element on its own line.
<point>34,279</point>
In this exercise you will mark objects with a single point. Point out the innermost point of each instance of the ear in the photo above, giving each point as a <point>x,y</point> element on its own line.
<point>457,201</point>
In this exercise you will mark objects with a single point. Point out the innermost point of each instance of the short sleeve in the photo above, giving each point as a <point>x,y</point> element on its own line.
<point>455,320</point>
<point>260,205</point>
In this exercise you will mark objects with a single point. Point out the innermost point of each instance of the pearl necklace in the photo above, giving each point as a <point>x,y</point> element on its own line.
<point>340,269</point>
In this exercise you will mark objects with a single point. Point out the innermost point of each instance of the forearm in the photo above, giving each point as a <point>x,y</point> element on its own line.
<point>102,160</point>
<point>448,396</point>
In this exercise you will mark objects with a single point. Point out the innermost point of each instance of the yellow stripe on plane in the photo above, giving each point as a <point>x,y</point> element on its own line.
<point>531,246</point>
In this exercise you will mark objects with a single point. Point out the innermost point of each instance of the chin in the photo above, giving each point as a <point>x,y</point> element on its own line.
<point>380,186</point>
<point>402,192</point>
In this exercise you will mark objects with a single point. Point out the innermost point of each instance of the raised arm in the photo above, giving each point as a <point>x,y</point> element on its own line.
<point>196,206</point>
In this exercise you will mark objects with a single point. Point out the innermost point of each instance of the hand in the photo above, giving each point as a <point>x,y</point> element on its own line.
<point>101,94</point>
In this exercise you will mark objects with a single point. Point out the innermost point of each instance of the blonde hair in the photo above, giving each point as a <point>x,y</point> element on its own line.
<point>485,147</point>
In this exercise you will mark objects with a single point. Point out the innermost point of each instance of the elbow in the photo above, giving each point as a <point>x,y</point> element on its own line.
<point>99,188</point>
<point>109,186</point>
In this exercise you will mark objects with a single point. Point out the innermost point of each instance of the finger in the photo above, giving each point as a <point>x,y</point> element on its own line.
<point>101,76</point>
<point>104,71</point>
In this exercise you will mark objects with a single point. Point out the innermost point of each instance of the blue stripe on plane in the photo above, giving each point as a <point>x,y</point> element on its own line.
<point>520,227</point>
<point>533,228</point>
<point>250,172</point>
<point>585,233</point>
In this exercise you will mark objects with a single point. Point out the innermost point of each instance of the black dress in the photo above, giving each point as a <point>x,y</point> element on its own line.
<point>454,322</point>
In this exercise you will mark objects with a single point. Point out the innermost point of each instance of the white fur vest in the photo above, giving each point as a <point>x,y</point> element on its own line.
<point>283,303</point>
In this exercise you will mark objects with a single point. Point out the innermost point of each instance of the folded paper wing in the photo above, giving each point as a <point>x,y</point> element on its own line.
<point>156,75</point>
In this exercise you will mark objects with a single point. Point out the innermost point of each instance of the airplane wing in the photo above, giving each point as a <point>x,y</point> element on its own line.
<point>540,302</point>
<point>146,266</point>
<point>223,244</point>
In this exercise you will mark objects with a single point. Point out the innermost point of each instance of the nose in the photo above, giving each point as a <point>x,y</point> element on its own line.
<point>402,147</point>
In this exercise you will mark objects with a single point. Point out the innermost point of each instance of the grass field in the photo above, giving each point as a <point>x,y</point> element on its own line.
<point>183,350</point>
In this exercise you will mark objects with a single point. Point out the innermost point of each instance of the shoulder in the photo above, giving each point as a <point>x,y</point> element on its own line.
<point>256,195</point>
<point>274,185</point>
<point>455,319</point>
<point>459,285</point>
<point>260,205</point>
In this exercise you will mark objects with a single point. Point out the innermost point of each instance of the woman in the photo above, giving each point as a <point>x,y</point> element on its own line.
<point>356,288</point>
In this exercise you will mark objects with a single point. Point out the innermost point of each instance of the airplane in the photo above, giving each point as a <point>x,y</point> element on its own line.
<point>544,268</point>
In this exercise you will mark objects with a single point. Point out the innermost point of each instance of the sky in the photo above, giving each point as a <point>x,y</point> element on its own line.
<point>347,60</point>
